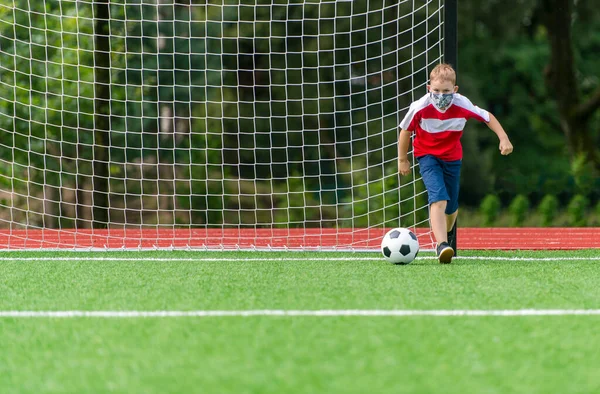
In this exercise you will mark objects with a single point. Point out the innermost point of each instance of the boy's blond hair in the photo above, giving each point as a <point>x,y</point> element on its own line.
<point>443,72</point>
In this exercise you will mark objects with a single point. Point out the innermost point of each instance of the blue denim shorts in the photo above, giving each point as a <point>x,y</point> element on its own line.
<point>441,179</point>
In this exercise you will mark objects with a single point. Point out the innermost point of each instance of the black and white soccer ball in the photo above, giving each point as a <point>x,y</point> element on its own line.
<point>400,246</point>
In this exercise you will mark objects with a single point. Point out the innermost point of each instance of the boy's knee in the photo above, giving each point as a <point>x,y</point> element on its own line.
<point>440,204</point>
<point>453,213</point>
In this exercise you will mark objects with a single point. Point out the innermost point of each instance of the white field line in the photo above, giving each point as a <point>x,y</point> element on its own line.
<point>296,313</point>
<point>279,259</point>
<point>185,259</point>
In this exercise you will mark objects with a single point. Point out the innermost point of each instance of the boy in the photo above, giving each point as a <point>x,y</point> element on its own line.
<point>438,119</point>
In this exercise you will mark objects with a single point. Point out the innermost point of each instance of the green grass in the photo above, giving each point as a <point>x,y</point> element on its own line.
<point>352,354</point>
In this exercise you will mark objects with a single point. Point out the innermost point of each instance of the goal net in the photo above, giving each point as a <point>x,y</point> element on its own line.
<point>216,124</point>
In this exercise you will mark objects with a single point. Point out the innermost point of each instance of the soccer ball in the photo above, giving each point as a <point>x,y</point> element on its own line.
<point>400,246</point>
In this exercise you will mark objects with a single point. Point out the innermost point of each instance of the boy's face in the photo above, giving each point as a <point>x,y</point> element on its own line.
<point>442,93</point>
<point>439,86</point>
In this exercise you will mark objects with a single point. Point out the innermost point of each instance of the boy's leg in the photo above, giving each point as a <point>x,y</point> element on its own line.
<point>437,217</point>
<point>451,230</point>
<point>432,172</point>
<point>452,182</point>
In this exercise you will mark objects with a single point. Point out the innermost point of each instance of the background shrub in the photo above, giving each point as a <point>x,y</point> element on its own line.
<point>548,209</point>
<point>518,208</point>
<point>577,210</point>
<point>490,208</point>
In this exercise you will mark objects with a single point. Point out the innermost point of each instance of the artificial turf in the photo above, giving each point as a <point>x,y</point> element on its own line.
<point>299,354</point>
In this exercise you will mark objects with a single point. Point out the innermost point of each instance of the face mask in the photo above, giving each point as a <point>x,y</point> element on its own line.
<point>442,100</point>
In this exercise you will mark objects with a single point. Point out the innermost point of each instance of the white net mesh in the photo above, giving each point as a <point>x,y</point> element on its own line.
<point>219,124</point>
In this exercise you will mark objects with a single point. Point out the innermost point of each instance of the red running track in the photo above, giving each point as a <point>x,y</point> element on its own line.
<point>358,239</point>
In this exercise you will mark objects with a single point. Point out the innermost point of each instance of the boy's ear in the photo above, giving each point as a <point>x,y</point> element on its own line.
<point>428,87</point>
<point>455,88</point>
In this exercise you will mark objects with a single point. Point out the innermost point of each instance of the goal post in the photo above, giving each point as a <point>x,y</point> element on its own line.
<point>451,57</point>
<point>220,124</point>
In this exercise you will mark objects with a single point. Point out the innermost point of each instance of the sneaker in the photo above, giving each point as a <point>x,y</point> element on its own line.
<point>445,253</point>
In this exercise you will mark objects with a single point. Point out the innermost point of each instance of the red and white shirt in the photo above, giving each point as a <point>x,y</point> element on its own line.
<point>438,132</point>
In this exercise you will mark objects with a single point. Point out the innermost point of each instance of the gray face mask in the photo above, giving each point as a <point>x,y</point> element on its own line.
<point>442,100</point>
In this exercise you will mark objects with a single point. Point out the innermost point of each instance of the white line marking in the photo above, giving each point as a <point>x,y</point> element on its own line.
<point>184,259</point>
<point>292,313</point>
<point>500,258</point>
<point>271,259</point>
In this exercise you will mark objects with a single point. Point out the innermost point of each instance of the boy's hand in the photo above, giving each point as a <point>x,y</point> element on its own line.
<point>506,147</point>
<point>404,166</point>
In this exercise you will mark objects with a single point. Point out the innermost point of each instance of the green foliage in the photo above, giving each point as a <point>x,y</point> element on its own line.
<point>490,208</point>
<point>577,210</point>
<point>508,78</point>
<point>221,94</point>
<point>584,174</point>
<point>548,209</point>
<point>519,208</point>
<point>595,220</point>
<point>383,201</point>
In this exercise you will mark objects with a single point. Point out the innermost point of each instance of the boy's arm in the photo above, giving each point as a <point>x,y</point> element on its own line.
<point>505,146</point>
<point>403,142</point>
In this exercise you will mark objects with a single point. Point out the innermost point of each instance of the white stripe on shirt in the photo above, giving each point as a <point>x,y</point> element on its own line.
<point>438,126</point>
<point>459,101</point>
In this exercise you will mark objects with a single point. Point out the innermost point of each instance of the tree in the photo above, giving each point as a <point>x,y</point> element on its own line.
<point>506,57</point>
<point>575,110</point>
